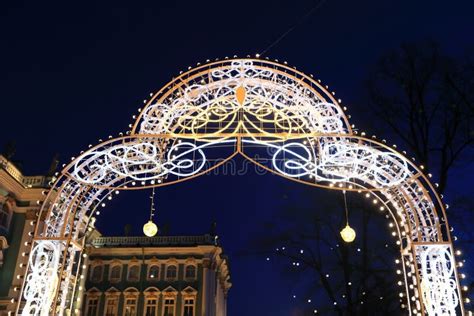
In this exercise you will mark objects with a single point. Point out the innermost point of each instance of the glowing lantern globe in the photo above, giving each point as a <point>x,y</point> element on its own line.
<point>150,229</point>
<point>348,234</point>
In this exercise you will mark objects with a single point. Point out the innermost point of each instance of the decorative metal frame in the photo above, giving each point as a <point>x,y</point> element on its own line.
<point>280,119</point>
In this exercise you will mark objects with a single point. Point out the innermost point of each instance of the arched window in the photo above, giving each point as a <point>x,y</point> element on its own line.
<point>112,299</point>
<point>134,272</point>
<point>96,273</point>
<point>92,304</point>
<point>151,306</point>
<point>130,302</point>
<point>130,306</point>
<point>188,296</point>
<point>154,272</point>
<point>188,307</point>
<point>171,272</point>
<point>190,272</point>
<point>169,306</point>
<point>111,306</point>
<point>115,273</point>
<point>151,296</point>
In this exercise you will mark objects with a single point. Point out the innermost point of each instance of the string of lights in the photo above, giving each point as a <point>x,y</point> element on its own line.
<point>219,109</point>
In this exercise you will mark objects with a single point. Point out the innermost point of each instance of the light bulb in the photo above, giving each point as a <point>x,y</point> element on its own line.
<point>150,229</point>
<point>348,234</point>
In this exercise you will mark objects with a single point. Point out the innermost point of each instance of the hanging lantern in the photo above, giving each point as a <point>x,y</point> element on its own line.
<point>348,234</point>
<point>150,229</point>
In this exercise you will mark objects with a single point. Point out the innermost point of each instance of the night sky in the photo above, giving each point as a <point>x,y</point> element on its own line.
<point>71,74</point>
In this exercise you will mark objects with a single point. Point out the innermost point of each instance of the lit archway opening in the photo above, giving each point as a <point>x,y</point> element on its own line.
<point>215,111</point>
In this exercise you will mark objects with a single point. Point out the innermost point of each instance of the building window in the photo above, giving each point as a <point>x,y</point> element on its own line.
<point>92,306</point>
<point>96,273</point>
<point>154,272</point>
<point>4,216</point>
<point>171,272</point>
<point>115,273</point>
<point>130,308</point>
<point>134,273</point>
<point>168,307</point>
<point>151,296</point>
<point>111,306</point>
<point>190,272</point>
<point>151,307</point>
<point>188,307</point>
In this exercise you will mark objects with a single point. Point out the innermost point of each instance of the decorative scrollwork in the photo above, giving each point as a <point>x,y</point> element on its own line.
<point>240,106</point>
<point>438,283</point>
<point>272,101</point>
<point>338,160</point>
<point>141,160</point>
<point>343,159</point>
<point>41,282</point>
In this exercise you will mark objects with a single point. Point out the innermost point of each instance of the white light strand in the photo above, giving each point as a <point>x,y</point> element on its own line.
<point>269,106</point>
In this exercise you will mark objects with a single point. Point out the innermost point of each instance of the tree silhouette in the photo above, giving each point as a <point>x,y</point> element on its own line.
<point>426,99</point>
<point>331,276</point>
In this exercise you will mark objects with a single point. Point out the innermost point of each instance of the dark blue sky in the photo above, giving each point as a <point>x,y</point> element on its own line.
<point>74,72</point>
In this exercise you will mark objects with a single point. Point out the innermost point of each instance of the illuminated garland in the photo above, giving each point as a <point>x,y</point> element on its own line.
<point>276,117</point>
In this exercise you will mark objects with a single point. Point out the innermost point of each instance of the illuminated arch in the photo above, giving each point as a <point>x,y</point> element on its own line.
<point>278,118</point>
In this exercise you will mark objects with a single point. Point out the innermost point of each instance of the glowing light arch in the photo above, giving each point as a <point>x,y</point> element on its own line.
<point>281,120</point>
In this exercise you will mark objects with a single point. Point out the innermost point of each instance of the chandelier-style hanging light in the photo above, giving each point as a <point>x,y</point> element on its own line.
<point>150,229</point>
<point>347,233</point>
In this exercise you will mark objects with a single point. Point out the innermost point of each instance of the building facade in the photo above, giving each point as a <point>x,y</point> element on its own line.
<point>154,276</point>
<point>20,200</point>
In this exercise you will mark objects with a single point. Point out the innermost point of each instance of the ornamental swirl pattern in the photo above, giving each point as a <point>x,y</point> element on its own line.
<point>438,280</point>
<point>270,100</point>
<point>278,118</point>
<point>40,284</point>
